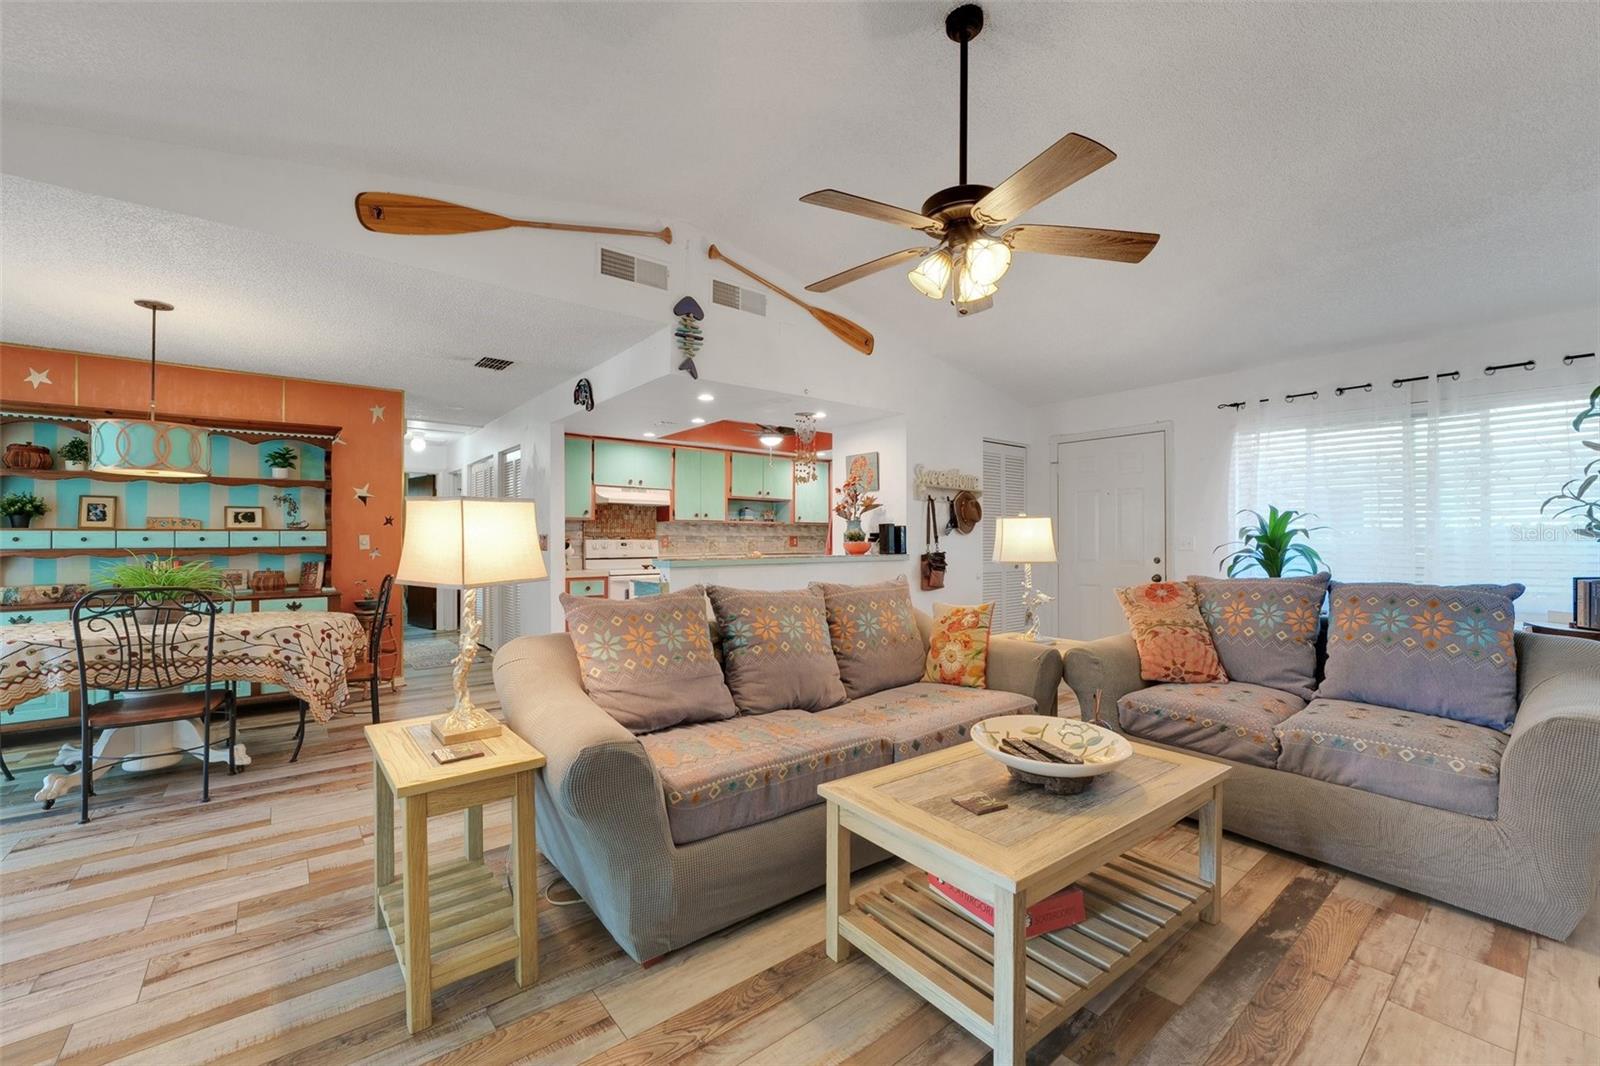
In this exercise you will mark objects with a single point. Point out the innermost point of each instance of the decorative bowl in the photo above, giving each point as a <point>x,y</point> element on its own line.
<point>1100,748</point>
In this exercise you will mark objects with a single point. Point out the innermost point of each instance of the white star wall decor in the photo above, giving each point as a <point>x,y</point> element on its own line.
<point>364,493</point>
<point>377,412</point>
<point>39,377</point>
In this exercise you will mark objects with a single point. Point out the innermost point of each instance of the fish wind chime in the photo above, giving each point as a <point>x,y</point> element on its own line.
<point>688,333</point>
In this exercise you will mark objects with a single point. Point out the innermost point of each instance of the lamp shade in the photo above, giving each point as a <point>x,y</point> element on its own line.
<point>470,542</point>
<point>147,448</point>
<point>1024,539</point>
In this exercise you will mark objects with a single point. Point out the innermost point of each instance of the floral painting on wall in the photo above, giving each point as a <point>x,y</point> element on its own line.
<point>865,467</point>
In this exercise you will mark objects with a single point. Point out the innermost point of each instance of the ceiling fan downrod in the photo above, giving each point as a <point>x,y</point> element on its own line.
<point>961,26</point>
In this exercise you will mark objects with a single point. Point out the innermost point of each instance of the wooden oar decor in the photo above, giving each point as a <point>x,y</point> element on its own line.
<point>418,216</point>
<point>838,325</point>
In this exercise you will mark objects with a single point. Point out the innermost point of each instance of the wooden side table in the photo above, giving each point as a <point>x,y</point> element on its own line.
<point>456,919</point>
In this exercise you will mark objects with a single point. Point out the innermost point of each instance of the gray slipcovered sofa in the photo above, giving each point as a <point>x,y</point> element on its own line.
<point>1505,825</point>
<point>674,835</point>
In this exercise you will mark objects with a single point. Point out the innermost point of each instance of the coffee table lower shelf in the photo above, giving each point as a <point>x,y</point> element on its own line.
<point>1134,904</point>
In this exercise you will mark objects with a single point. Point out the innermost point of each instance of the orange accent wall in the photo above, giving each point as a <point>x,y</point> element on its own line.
<point>372,455</point>
<point>730,434</point>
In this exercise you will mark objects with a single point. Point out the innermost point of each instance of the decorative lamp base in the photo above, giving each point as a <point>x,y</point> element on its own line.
<point>458,727</point>
<point>466,720</point>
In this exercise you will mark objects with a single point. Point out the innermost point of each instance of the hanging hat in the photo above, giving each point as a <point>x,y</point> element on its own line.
<point>969,512</point>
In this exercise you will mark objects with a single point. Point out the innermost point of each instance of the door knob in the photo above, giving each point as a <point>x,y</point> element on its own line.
<point>1155,577</point>
<point>1156,560</point>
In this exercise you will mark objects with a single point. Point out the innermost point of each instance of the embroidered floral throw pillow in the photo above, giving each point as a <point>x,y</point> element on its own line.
<point>648,662</point>
<point>874,634</point>
<point>775,649</point>
<point>1265,628</point>
<point>1433,649</point>
<point>958,650</point>
<point>1174,643</point>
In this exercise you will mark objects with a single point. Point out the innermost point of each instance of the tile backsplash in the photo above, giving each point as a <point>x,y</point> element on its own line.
<point>699,540</point>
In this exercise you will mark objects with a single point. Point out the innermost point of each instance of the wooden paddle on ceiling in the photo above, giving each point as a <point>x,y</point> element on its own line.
<point>418,216</point>
<point>838,325</point>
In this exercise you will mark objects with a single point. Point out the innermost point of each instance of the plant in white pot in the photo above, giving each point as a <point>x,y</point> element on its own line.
<point>74,454</point>
<point>282,460</point>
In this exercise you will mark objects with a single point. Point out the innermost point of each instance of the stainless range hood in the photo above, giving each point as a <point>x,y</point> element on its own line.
<point>636,496</point>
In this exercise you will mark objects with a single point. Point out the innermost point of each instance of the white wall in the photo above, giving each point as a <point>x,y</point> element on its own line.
<point>887,437</point>
<point>1197,517</point>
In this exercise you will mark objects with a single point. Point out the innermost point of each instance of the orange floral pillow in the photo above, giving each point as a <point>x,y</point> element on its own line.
<point>1174,643</point>
<point>958,650</point>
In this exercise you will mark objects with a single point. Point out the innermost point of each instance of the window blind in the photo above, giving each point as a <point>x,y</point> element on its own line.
<point>1443,487</point>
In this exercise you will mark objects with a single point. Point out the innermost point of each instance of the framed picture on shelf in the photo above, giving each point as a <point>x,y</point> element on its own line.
<point>243,518</point>
<point>236,579</point>
<point>97,512</point>
<point>311,576</point>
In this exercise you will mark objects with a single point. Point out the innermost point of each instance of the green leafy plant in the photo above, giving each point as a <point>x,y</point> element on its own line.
<point>855,534</point>
<point>23,504</point>
<point>1270,545</point>
<point>1579,496</point>
<point>283,458</point>
<point>75,450</point>
<point>168,573</point>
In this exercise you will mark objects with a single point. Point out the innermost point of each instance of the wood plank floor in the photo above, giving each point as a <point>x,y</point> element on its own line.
<point>169,932</point>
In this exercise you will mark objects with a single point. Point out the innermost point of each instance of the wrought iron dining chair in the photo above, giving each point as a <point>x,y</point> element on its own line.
<point>368,673</point>
<point>152,650</point>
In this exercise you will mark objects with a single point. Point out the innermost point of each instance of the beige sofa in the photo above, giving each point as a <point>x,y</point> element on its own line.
<point>1507,826</point>
<point>674,835</point>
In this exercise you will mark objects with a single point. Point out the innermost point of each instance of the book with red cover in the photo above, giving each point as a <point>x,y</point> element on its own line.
<point>1054,912</point>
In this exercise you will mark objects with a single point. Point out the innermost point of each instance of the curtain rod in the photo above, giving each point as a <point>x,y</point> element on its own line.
<point>1453,375</point>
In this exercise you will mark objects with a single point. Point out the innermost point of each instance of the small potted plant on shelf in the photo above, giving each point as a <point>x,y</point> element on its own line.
<point>282,460</point>
<point>74,454</point>
<point>853,503</point>
<point>21,508</point>
<point>369,600</point>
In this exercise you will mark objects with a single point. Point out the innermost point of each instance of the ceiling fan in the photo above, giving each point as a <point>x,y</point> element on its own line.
<point>418,216</point>
<point>966,218</point>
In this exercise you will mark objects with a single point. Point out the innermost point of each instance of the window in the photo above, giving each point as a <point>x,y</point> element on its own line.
<point>1005,484</point>
<point>1444,486</point>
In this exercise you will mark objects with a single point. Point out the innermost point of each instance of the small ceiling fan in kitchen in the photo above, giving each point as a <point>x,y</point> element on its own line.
<point>969,220</point>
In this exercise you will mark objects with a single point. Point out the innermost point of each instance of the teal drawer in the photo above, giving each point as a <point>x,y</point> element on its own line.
<point>294,603</point>
<point>25,538</point>
<point>80,538</point>
<point>21,616</point>
<point>253,538</point>
<point>314,538</point>
<point>202,538</point>
<point>594,587</point>
<point>146,538</point>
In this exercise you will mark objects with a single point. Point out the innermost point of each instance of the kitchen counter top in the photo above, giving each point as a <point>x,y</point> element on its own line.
<point>775,560</point>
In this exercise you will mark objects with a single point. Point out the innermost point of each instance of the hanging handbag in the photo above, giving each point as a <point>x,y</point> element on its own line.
<point>933,563</point>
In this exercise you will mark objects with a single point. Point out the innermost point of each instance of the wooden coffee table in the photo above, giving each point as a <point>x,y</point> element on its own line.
<point>1003,993</point>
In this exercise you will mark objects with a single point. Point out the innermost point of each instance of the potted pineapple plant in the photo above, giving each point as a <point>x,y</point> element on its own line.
<point>282,460</point>
<point>74,454</point>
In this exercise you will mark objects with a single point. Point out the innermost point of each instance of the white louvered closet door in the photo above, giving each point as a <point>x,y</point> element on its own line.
<point>507,599</point>
<point>480,482</point>
<point>1005,484</point>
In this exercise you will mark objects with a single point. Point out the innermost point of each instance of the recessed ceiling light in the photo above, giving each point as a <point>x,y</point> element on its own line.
<point>649,434</point>
<point>705,397</point>
<point>698,421</point>
<point>819,415</point>
<point>418,444</point>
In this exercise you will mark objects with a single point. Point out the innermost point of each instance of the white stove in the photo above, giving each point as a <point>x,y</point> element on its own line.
<point>624,561</point>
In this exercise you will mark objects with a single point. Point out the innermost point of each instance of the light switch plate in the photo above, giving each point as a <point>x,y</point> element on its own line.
<point>1185,544</point>
<point>364,542</point>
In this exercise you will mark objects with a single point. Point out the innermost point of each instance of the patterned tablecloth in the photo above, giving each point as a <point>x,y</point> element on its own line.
<point>310,653</point>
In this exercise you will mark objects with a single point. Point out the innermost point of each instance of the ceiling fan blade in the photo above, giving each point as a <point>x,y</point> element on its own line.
<point>880,212</point>
<point>418,216</point>
<point>1071,158</point>
<point>1118,245</point>
<point>838,325</point>
<point>856,273</point>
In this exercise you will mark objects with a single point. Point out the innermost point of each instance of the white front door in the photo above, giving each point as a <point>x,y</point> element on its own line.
<point>1111,521</point>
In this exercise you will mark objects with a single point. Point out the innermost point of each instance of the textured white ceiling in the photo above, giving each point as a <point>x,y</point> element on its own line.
<point>75,262</point>
<point>1323,174</point>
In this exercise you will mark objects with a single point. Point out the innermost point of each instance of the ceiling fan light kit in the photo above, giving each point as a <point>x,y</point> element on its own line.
<point>966,218</point>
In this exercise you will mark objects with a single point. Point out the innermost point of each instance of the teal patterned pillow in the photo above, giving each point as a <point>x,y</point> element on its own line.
<point>775,648</point>
<point>1433,649</point>
<point>1265,628</point>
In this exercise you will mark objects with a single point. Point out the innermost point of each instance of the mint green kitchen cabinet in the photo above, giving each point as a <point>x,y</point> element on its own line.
<point>761,477</point>
<point>812,500</point>
<point>779,480</point>
<point>700,486</point>
<point>580,477</point>
<point>714,485</point>
<point>686,484</point>
<point>632,465</point>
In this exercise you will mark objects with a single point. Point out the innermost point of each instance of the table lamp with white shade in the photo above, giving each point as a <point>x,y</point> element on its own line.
<point>469,543</point>
<point>1026,539</point>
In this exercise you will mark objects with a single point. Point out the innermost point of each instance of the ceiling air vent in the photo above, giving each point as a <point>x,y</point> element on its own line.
<point>625,267</point>
<point>740,299</point>
<point>490,363</point>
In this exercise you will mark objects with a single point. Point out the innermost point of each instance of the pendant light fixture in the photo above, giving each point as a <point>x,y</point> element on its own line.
<point>149,447</point>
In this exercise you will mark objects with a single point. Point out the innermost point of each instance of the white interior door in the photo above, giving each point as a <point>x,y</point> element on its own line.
<point>1111,518</point>
<point>1005,485</point>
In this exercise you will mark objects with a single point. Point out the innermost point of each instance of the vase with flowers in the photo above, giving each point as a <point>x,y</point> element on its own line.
<point>853,503</point>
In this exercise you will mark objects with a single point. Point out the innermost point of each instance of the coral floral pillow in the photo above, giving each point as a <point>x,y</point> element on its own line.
<point>958,650</point>
<point>1174,643</point>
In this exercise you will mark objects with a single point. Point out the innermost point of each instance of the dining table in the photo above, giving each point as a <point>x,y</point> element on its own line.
<point>308,653</point>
